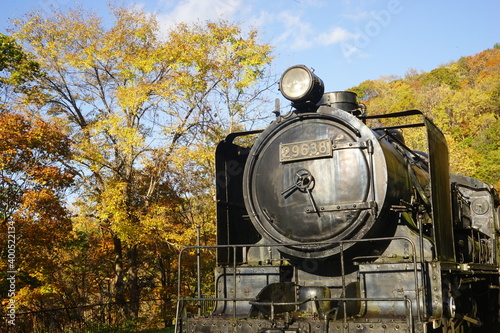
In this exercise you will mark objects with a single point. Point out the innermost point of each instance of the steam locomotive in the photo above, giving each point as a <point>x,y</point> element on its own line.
<point>326,223</point>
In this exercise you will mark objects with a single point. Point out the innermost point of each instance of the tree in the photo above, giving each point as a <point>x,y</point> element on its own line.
<point>34,177</point>
<point>132,101</point>
<point>32,160</point>
<point>17,72</point>
<point>33,180</point>
<point>32,151</point>
<point>463,100</point>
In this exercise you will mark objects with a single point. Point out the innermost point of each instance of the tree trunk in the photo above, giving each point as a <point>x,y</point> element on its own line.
<point>133,281</point>
<point>164,265</point>
<point>119,286</point>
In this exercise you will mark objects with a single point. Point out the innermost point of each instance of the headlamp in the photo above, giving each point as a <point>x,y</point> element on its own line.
<point>299,85</point>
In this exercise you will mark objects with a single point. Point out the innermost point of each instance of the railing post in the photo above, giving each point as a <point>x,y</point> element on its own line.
<point>198,267</point>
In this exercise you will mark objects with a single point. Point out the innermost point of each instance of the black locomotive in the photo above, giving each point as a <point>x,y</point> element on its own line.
<point>327,224</point>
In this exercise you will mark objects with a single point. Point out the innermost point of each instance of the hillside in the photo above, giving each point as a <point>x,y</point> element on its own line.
<point>462,98</point>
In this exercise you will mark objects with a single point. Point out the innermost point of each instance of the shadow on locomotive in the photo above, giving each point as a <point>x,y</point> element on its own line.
<point>329,222</point>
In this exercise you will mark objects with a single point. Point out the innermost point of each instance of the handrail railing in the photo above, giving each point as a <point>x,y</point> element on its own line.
<point>415,261</point>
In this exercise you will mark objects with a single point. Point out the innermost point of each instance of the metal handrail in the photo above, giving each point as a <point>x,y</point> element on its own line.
<point>415,261</point>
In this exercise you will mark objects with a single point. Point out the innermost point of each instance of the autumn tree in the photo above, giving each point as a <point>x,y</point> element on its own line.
<point>34,177</point>
<point>33,183</point>
<point>135,100</point>
<point>463,100</point>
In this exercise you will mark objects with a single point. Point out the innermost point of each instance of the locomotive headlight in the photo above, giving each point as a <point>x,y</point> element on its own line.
<point>299,84</point>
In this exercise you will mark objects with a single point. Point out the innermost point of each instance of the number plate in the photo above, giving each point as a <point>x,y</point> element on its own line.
<point>305,150</point>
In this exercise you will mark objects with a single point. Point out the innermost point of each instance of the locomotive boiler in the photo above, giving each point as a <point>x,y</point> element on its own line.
<point>329,222</point>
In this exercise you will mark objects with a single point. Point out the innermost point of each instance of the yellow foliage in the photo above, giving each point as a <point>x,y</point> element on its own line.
<point>462,99</point>
<point>144,111</point>
<point>462,160</point>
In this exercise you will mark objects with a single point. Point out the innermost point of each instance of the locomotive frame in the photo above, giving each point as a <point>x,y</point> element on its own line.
<point>327,225</point>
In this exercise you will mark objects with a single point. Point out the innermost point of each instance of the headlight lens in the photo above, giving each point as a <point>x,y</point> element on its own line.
<point>299,84</point>
<point>296,82</point>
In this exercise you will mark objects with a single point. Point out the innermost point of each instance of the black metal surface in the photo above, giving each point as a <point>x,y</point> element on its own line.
<point>233,225</point>
<point>343,100</point>
<point>313,181</point>
<point>315,195</point>
<point>439,168</point>
<point>207,325</point>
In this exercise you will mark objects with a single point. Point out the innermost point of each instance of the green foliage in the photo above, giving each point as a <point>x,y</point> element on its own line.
<point>366,90</point>
<point>16,68</point>
<point>440,76</point>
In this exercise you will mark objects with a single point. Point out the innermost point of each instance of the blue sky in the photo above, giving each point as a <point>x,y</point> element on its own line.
<point>345,41</point>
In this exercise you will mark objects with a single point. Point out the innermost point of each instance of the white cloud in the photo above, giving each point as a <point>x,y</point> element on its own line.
<point>336,35</point>
<point>289,28</point>
<point>312,3</point>
<point>298,34</point>
<point>196,10</point>
<point>358,15</point>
